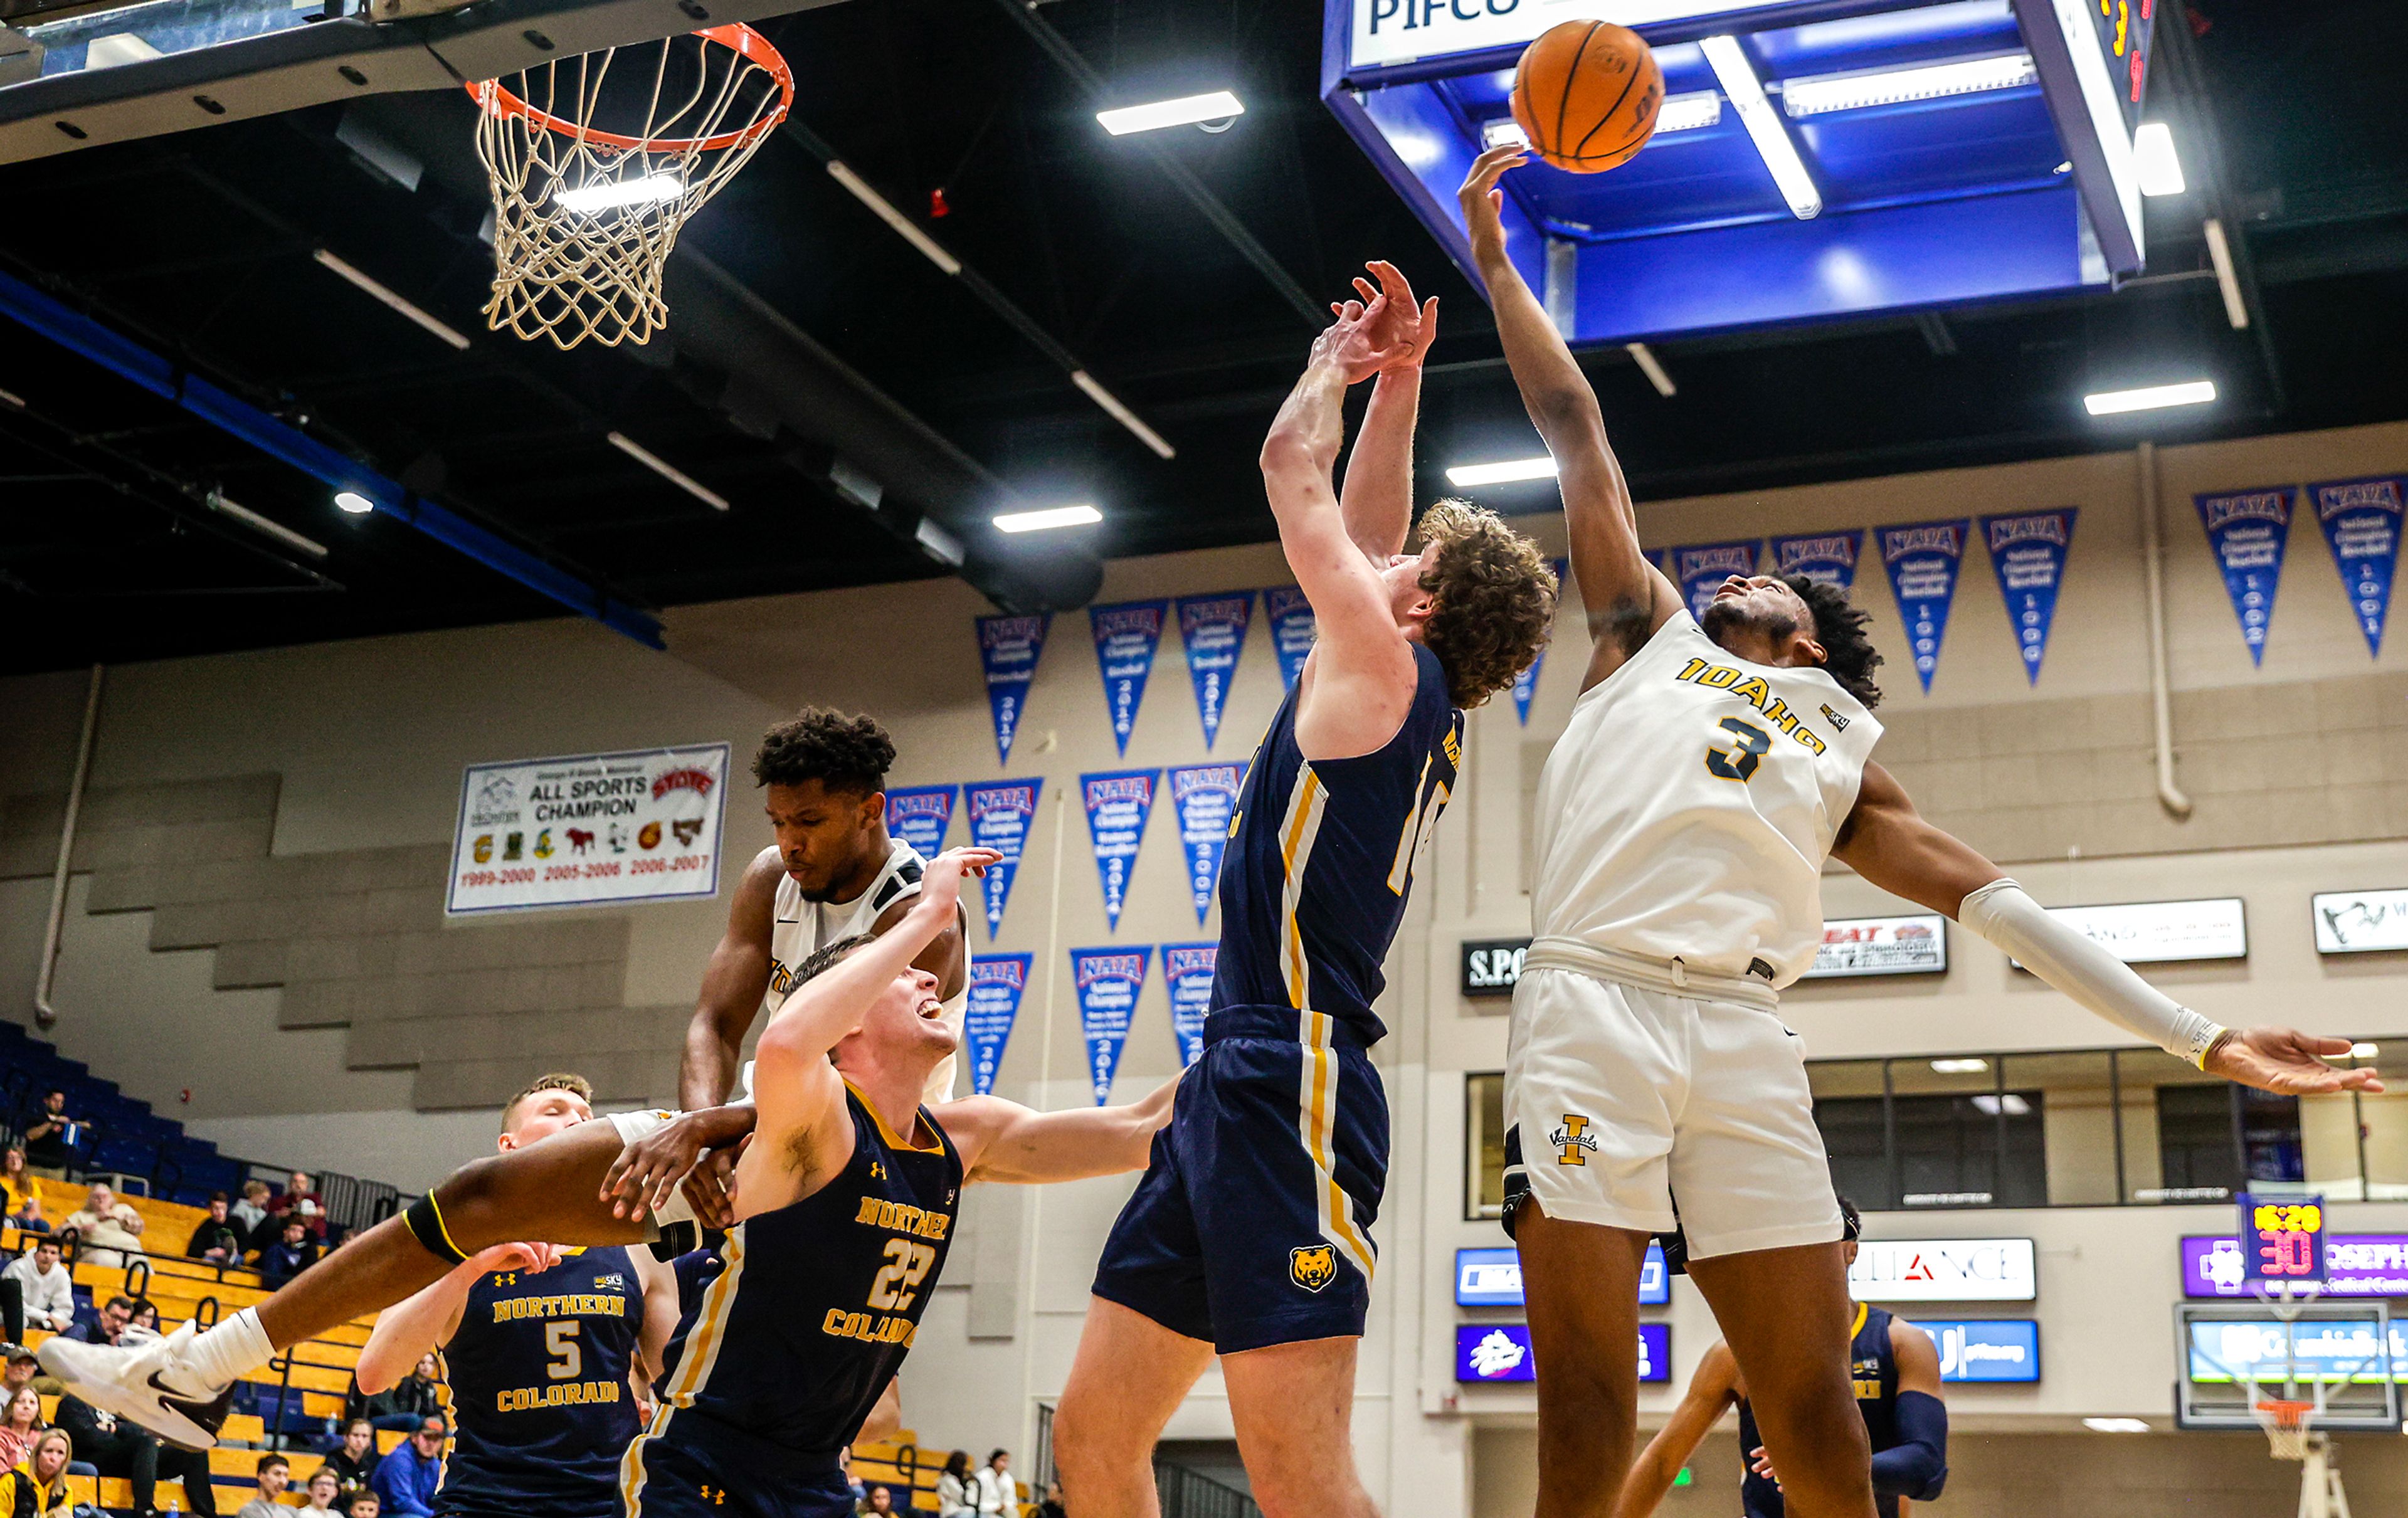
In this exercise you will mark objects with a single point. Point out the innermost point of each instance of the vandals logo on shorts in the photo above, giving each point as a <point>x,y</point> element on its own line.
<point>1571,1138</point>
<point>1312,1268</point>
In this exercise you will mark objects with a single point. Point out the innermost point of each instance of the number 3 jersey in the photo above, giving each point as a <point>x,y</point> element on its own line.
<point>1687,810</point>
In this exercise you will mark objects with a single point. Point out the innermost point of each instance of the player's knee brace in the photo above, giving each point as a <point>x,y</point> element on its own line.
<point>423,1218</point>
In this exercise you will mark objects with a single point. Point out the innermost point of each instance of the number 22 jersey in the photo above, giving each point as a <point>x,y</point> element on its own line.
<point>1687,810</point>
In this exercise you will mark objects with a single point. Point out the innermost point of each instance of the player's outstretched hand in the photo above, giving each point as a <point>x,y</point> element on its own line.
<point>1483,202</point>
<point>648,1173</point>
<point>940,884</point>
<point>1404,326</point>
<point>533,1259</point>
<point>710,1187</point>
<point>1761,1464</point>
<point>1360,342</point>
<point>2286,1061</point>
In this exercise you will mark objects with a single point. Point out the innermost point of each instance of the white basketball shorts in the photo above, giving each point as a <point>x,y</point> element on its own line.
<point>1621,1102</point>
<point>643,1124</point>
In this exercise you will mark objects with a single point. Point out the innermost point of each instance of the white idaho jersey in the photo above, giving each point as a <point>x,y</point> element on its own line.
<point>803,929</point>
<point>1687,810</point>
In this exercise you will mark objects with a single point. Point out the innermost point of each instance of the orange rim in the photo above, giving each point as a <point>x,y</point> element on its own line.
<point>738,38</point>
<point>2286,1414</point>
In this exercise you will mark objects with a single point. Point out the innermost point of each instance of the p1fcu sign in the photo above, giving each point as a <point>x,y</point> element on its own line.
<point>589,829</point>
<point>1943,1270</point>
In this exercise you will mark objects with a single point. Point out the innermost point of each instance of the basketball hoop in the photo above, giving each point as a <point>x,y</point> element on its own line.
<point>2286,1425</point>
<point>593,175</point>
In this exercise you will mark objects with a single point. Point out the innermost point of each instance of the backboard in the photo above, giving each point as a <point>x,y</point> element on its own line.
<point>2348,1356</point>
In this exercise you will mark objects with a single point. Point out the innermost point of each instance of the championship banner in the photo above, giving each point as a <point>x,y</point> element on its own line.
<point>1001,814</point>
<point>1206,796</point>
<point>1008,651</point>
<point>1187,970</point>
<point>1127,636</point>
<point>2247,533</point>
<point>1213,630</point>
<point>1923,559</point>
<point>2361,522</point>
<point>997,981</point>
<point>1108,982</point>
<point>2028,552</point>
<point>1827,557</point>
<point>1526,684</point>
<point>1700,571</point>
<point>919,815</point>
<point>589,828</point>
<point>1118,802</point>
<point>1292,629</point>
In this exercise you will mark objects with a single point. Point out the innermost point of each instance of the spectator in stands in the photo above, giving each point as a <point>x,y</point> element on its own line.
<point>14,1178</point>
<point>1052,1507</point>
<point>281,1261</point>
<point>107,1228</point>
<point>19,1426</point>
<point>409,1401</point>
<point>953,1486</point>
<point>21,1368</point>
<point>38,1487</point>
<point>406,1480</point>
<point>123,1450</point>
<point>216,1240</point>
<point>27,1215</point>
<point>324,1492</point>
<point>995,1490</point>
<point>109,1325</point>
<point>275,1474</point>
<point>49,1288</point>
<point>48,1129</point>
<point>146,1314</point>
<point>299,1200</point>
<point>363,1505</point>
<point>251,1214</point>
<point>355,1459</point>
<point>881,1503</point>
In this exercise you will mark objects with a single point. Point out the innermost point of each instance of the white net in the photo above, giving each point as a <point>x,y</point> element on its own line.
<point>596,161</point>
<point>2286,1425</point>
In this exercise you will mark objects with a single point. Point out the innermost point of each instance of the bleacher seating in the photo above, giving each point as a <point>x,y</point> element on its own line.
<point>126,1137</point>
<point>905,1470</point>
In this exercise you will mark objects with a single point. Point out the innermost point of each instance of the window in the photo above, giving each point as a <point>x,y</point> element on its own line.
<point>1483,1146</point>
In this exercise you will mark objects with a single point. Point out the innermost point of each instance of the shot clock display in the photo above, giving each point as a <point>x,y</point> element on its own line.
<point>2281,1239</point>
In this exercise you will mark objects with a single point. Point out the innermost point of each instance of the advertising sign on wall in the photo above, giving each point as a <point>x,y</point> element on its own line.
<point>1499,1351</point>
<point>2355,1265</point>
<point>2360,921</point>
<point>1491,966</point>
<point>1493,1278</point>
<point>2153,932</point>
<point>1915,945</point>
<point>1943,1270</point>
<point>589,828</point>
<point>2221,1349</point>
<point>1985,1349</point>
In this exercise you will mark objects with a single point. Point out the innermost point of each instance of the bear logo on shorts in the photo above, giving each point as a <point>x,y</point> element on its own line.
<point>1312,1268</point>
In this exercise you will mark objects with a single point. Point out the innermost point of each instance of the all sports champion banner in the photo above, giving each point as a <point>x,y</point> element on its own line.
<point>919,815</point>
<point>2361,522</point>
<point>1700,571</point>
<point>1008,651</point>
<point>1206,796</point>
<point>1108,982</point>
<point>1213,630</point>
<point>2247,533</point>
<point>1118,802</point>
<point>1526,684</point>
<point>1127,636</point>
<point>1292,629</point>
<point>1923,559</point>
<point>1830,557</point>
<point>1187,970</point>
<point>641,825</point>
<point>2028,552</point>
<point>997,981</point>
<point>1001,814</point>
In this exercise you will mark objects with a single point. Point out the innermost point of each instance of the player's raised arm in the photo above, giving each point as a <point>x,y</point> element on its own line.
<point>1714,1390</point>
<point>1628,597</point>
<point>733,984</point>
<point>1889,844</point>
<point>1002,1141</point>
<point>1376,500</point>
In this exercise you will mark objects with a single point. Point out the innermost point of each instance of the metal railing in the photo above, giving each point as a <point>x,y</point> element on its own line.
<point>1184,1493</point>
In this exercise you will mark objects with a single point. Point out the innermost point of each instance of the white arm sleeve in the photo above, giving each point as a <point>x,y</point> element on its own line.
<point>2072,963</point>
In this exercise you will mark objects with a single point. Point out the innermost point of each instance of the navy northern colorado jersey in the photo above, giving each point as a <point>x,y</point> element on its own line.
<point>1320,858</point>
<point>1872,1367</point>
<point>539,1373</point>
<point>817,1302</point>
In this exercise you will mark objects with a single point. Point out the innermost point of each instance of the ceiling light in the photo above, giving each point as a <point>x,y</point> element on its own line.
<point>1688,112</point>
<point>943,546</point>
<point>353,502</point>
<point>651,189</point>
<point>1053,516</point>
<point>904,226</point>
<point>2011,1104</point>
<point>668,471</point>
<point>1959,1067</point>
<point>2115,1426</point>
<point>1504,472</point>
<point>2154,158</point>
<point>1896,86</point>
<point>1122,414</point>
<point>1644,357</point>
<point>252,520</point>
<point>447,334</point>
<point>1187,110</point>
<point>1763,123</point>
<point>2151,397</point>
<point>1505,129</point>
<point>2228,278</point>
<point>2364,1050</point>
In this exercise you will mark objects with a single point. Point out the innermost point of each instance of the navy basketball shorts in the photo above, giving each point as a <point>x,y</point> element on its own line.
<point>695,1467</point>
<point>1252,1223</point>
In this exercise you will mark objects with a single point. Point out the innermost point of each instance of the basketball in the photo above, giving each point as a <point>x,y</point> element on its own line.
<point>1585,94</point>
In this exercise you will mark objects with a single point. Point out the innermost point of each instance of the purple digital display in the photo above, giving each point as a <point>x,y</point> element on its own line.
<point>1495,1351</point>
<point>2355,1265</point>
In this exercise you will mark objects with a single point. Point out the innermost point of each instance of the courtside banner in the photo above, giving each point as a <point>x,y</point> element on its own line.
<point>997,981</point>
<point>1943,1270</point>
<point>1118,802</point>
<point>1923,558</point>
<point>1206,796</point>
<point>2028,552</point>
<point>1526,684</point>
<point>1000,812</point>
<point>1292,629</point>
<point>2246,534</point>
<point>1700,571</point>
<point>1212,631</point>
<point>1106,982</point>
<point>1827,557</point>
<point>919,815</point>
<point>1126,636</point>
<point>1187,970</point>
<point>1007,652</point>
<point>2361,522</point>
<point>589,828</point>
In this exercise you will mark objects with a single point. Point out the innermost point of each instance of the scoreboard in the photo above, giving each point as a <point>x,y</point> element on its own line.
<point>2282,1238</point>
